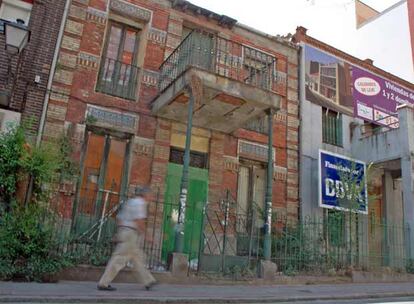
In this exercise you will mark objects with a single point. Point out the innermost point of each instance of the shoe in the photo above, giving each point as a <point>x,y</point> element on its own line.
<point>151,285</point>
<point>106,288</point>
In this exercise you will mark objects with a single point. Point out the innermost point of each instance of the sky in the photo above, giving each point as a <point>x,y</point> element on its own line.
<point>332,21</point>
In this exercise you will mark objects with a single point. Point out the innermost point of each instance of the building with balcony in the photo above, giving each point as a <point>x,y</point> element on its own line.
<point>202,109</point>
<point>361,124</point>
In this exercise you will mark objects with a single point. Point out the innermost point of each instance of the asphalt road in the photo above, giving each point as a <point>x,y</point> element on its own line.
<point>409,300</point>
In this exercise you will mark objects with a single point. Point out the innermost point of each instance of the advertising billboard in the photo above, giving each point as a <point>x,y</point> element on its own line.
<point>330,80</point>
<point>342,183</point>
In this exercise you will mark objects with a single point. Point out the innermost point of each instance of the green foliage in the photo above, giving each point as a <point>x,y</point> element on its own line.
<point>410,266</point>
<point>99,254</point>
<point>11,153</point>
<point>45,164</point>
<point>240,272</point>
<point>28,246</point>
<point>90,120</point>
<point>42,164</point>
<point>67,168</point>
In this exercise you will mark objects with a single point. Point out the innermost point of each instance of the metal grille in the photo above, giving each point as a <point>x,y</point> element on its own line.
<point>331,127</point>
<point>253,151</point>
<point>260,125</point>
<point>118,79</point>
<point>197,159</point>
<point>112,118</point>
<point>221,56</point>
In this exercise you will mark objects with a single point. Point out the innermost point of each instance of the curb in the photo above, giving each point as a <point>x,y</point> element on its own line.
<point>188,300</point>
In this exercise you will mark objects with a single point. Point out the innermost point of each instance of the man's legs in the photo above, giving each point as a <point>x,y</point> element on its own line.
<point>142,273</point>
<point>115,264</point>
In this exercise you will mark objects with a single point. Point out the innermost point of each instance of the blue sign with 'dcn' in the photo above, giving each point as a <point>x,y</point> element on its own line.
<point>342,183</point>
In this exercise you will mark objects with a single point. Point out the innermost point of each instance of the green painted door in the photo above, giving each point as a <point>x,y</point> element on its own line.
<point>197,197</point>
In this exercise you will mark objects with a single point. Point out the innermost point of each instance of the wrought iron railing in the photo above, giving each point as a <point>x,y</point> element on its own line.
<point>118,79</point>
<point>220,56</point>
<point>222,238</point>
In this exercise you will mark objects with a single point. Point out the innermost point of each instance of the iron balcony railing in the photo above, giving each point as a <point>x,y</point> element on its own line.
<point>118,79</point>
<point>220,56</point>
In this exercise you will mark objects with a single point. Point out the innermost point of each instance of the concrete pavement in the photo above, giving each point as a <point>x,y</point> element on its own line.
<point>86,292</point>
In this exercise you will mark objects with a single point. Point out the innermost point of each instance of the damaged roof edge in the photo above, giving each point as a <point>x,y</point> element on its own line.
<point>268,36</point>
<point>186,5</point>
<point>227,21</point>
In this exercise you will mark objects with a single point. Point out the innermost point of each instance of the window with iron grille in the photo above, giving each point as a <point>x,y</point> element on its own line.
<point>259,68</point>
<point>118,72</point>
<point>260,125</point>
<point>197,159</point>
<point>332,127</point>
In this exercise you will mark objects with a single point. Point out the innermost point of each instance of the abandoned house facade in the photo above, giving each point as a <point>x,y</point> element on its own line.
<point>135,81</point>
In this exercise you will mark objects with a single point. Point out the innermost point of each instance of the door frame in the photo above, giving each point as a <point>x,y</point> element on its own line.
<point>107,133</point>
<point>194,174</point>
<point>252,165</point>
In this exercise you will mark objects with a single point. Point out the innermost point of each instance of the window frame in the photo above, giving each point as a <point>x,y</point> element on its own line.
<point>121,46</point>
<point>332,128</point>
<point>259,125</point>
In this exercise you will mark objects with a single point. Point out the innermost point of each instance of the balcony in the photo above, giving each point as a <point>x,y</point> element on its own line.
<point>237,82</point>
<point>117,79</point>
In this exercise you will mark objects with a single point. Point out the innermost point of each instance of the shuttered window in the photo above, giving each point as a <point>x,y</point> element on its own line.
<point>332,127</point>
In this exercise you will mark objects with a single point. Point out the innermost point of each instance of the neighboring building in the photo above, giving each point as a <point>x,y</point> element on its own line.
<point>127,73</point>
<point>387,37</point>
<point>373,122</point>
<point>24,76</point>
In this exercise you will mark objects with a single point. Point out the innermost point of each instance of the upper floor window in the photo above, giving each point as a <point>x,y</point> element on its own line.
<point>260,125</point>
<point>13,10</point>
<point>118,73</point>
<point>332,127</point>
<point>259,68</point>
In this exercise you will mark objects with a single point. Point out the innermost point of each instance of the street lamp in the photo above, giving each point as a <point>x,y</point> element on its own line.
<point>17,36</point>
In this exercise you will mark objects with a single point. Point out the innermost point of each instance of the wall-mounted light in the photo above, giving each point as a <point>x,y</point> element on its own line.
<point>17,36</point>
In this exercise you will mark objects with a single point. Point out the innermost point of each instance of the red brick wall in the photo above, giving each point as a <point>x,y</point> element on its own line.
<point>84,36</point>
<point>36,59</point>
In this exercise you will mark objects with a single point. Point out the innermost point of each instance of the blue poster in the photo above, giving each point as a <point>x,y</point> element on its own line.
<point>342,183</point>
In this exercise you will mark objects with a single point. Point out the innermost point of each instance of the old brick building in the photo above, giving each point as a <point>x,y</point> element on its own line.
<point>24,76</point>
<point>126,76</point>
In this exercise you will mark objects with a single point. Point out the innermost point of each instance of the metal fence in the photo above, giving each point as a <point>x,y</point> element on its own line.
<point>330,243</point>
<point>220,56</point>
<point>87,235</point>
<point>337,241</point>
<point>226,239</point>
<point>118,78</point>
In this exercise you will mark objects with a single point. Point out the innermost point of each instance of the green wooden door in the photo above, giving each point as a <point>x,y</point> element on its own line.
<point>197,197</point>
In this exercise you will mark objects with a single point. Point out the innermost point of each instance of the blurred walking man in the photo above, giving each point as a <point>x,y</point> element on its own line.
<point>131,229</point>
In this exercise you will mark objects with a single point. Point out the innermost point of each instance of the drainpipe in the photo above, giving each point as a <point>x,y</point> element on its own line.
<point>179,229</point>
<point>52,74</point>
<point>29,191</point>
<point>267,245</point>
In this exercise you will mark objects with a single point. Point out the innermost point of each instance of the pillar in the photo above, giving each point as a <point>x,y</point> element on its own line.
<point>267,246</point>
<point>179,231</point>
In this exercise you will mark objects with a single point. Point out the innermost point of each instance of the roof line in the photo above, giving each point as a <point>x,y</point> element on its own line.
<point>382,13</point>
<point>360,1</point>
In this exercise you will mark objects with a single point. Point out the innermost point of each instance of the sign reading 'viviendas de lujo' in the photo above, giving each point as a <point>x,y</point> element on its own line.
<point>333,82</point>
<point>342,183</point>
<point>376,99</point>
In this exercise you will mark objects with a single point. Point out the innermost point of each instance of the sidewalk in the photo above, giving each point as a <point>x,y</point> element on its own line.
<point>86,292</point>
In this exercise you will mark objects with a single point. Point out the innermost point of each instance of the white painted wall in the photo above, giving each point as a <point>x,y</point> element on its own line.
<point>8,117</point>
<point>386,40</point>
